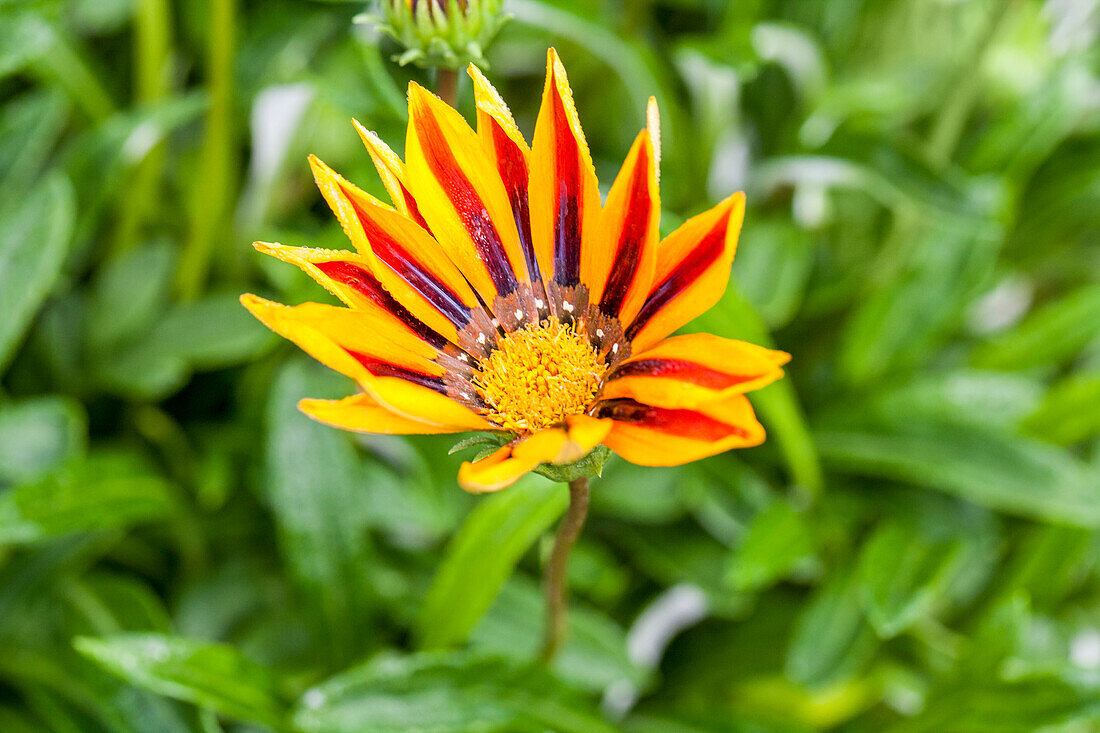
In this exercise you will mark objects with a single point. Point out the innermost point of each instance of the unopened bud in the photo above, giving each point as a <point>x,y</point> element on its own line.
<point>441,33</point>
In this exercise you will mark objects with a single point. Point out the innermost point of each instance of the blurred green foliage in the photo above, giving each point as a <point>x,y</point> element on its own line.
<point>914,549</point>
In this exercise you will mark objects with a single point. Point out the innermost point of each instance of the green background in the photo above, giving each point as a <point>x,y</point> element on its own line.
<point>914,548</point>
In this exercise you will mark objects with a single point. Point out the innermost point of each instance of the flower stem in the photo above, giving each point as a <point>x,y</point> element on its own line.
<point>555,585</point>
<point>446,85</point>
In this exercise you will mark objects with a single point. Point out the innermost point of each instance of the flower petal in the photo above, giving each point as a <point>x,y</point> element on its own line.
<point>619,272</point>
<point>352,342</point>
<point>693,370</point>
<point>505,146</point>
<point>692,270</point>
<point>658,436</point>
<point>402,255</point>
<point>505,466</point>
<point>348,276</point>
<point>362,414</point>
<point>425,404</point>
<point>395,373</point>
<point>462,197</point>
<point>564,193</point>
<point>584,433</point>
<point>392,172</point>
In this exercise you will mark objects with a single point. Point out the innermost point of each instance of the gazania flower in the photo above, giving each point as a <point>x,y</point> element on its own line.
<point>498,294</point>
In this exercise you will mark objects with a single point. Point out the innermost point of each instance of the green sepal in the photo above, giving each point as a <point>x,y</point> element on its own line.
<point>590,465</point>
<point>482,440</point>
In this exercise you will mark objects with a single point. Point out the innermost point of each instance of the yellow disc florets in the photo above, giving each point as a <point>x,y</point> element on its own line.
<point>539,375</point>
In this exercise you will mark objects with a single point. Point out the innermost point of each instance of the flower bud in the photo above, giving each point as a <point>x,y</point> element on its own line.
<point>441,33</point>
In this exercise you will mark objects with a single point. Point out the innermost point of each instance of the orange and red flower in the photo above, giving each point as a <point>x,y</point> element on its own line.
<point>499,294</point>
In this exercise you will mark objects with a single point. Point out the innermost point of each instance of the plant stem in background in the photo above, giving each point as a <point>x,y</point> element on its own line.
<point>555,586</point>
<point>446,85</point>
<point>211,185</point>
<point>152,49</point>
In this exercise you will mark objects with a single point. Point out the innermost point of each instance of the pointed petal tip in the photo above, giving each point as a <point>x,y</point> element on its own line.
<point>320,168</point>
<point>370,138</point>
<point>419,94</point>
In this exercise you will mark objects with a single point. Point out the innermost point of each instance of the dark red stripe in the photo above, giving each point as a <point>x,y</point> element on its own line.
<point>471,209</point>
<point>390,251</point>
<point>380,368</point>
<point>683,275</point>
<point>414,210</point>
<point>368,286</point>
<point>628,250</point>
<point>682,423</point>
<point>513,171</point>
<point>567,227</point>
<point>681,370</point>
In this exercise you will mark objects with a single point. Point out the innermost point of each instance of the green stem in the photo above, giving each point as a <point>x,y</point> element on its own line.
<point>446,86</point>
<point>213,182</point>
<point>555,585</point>
<point>152,35</point>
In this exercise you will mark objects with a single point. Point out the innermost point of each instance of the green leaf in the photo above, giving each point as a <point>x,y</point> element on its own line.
<point>1070,413</point>
<point>212,332</point>
<point>128,293</point>
<point>320,494</point>
<point>1048,564</point>
<point>831,639</point>
<point>772,266</point>
<point>990,706</point>
<point>1051,335</point>
<point>456,692</point>
<point>1006,473</point>
<point>671,556</point>
<point>392,694</point>
<point>899,326</point>
<point>29,128</point>
<point>24,37</point>
<point>639,494</point>
<point>482,555</point>
<point>100,16</point>
<point>34,239</point>
<point>903,572</point>
<point>105,490</point>
<point>210,675</point>
<point>778,540</point>
<point>37,435</point>
<point>594,655</point>
<point>990,399</point>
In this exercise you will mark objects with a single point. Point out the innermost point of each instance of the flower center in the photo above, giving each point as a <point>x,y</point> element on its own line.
<point>539,375</point>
